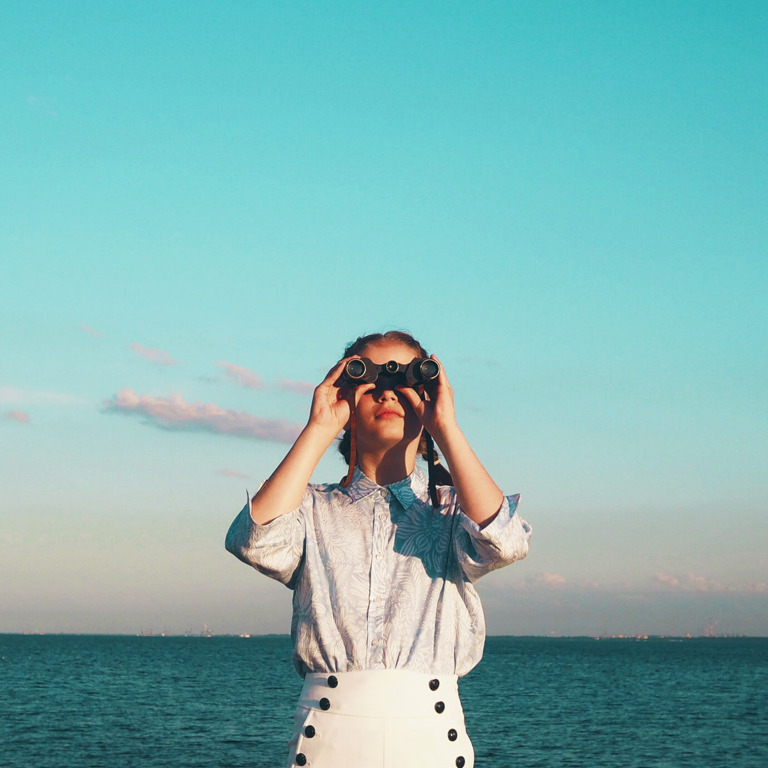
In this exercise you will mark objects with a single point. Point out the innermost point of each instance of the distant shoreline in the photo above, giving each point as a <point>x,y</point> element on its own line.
<point>285,636</point>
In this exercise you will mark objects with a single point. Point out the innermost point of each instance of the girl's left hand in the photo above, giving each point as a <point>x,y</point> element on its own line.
<point>436,411</point>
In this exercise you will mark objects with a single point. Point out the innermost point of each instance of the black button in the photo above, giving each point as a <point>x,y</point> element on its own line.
<point>333,681</point>
<point>434,685</point>
<point>452,735</point>
<point>301,759</point>
<point>459,762</point>
<point>440,707</point>
<point>309,732</point>
<point>325,704</point>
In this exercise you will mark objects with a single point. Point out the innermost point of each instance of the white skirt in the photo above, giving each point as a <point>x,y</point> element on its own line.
<point>381,719</point>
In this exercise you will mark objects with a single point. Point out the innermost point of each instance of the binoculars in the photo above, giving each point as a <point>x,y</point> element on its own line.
<point>420,370</point>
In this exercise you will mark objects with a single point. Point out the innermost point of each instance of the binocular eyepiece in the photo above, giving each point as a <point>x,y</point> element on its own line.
<point>420,370</point>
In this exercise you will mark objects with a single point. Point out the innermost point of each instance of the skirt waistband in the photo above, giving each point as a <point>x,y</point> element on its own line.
<point>382,693</point>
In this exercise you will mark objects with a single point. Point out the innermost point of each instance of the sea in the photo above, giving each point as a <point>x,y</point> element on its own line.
<point>81,701</point>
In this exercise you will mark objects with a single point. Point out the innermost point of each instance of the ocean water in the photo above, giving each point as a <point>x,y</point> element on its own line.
<point>162,702</point>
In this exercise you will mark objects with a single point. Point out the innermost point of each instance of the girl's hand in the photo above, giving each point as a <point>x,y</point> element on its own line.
<point>286,486</point>
<point>436,411</point>
<point>330,402</point>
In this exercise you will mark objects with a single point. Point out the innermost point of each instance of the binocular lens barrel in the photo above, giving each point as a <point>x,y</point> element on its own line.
<point>355,370</point>
<point>429,369</point>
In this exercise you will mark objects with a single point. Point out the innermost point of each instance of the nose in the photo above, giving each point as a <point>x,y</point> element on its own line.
<point>384,390</point>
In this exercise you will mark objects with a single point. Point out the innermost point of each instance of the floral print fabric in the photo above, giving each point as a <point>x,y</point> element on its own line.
<point>381,579</point>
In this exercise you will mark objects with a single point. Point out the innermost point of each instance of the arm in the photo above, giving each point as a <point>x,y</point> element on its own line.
<point>284,489</point>
<point>479,496</point>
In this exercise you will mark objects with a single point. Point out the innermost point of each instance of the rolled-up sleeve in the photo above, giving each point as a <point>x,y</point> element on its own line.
<point>275,549</point>
<point>503,541</point>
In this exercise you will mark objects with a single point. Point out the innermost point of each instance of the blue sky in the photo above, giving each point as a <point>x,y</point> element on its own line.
<point>203,202</point>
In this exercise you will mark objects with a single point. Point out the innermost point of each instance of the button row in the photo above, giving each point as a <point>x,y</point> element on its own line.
<point>453,734</point>
<point>310,732</point>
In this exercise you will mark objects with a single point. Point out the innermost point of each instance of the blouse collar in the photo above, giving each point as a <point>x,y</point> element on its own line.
<point>406,491</point>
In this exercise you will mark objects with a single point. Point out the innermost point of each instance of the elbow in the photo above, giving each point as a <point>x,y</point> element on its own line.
<point>515,550</point>
<point>233,542</point>
<point>521,552</point>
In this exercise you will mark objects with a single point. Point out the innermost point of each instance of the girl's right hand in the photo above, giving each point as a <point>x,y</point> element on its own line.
<point>286,486</point>
<point>330,402</point>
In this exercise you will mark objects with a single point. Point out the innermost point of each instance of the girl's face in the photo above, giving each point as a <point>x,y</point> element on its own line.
<point>384,417</point>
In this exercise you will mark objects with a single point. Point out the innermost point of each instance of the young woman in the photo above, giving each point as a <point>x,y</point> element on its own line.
<point>382,565</point>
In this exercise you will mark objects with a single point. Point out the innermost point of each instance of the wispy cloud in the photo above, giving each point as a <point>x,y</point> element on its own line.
<point>691,582</point>
<point>174,412</point>
<point>21,416</point>
<point>157,356</point>
<point>88,329</point>
<point>548,580</point>
<point>16,396</point>
<point>653,586</point>
<point>233,473</point>
<point>302,387</point>
<point>242,376</point>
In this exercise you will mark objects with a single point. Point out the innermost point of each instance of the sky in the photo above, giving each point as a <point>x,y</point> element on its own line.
<point>203,202</point>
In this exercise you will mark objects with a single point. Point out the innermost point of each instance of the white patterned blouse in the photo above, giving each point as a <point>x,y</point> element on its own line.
<point>380,578</point>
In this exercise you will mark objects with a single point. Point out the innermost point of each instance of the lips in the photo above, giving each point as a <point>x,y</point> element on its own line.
<point>389,414</point>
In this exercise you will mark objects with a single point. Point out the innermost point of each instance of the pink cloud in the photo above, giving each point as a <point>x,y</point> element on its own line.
<point>549,580</point>
<point>664,580</point>
<point>88,329</point>
<point>691,582</point>
<point>174,412</point>
<point>15,396</point>
<point>242,376</point>
<point>15,415</point>
<point>302,387</point>
<point>233,473</point>
<point>157,356</point>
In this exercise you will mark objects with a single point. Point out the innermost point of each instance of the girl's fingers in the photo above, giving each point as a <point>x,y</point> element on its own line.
<point>442,377</point>
<point>411,395</point>
<point>361,389</point>
<point>334,374</point>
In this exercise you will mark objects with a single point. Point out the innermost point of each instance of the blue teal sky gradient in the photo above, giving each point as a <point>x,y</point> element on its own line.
<point>203,202</point>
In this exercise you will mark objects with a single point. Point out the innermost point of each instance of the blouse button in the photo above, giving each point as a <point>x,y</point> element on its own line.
<point>325,704</point>
<point>333,681</point>
<point>309,732</point>
<point>301,759</point>
<point>439,707</point>
<point>434,685</point>
<point>452,734</point>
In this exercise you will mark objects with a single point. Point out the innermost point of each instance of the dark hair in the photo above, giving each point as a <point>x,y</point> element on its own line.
<point>401,337</point>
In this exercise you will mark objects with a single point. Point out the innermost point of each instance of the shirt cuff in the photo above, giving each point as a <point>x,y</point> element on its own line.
<point>499,522</point>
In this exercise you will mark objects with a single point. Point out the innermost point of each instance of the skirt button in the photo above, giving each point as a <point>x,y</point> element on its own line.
<point>440,707</point>
<point>452,734</point>
<point>301,759</point>
<point>325,704</point>
<point>333,681</point>
<point>460,762</point>
<point>309,732</point>
<point>434,685</point>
